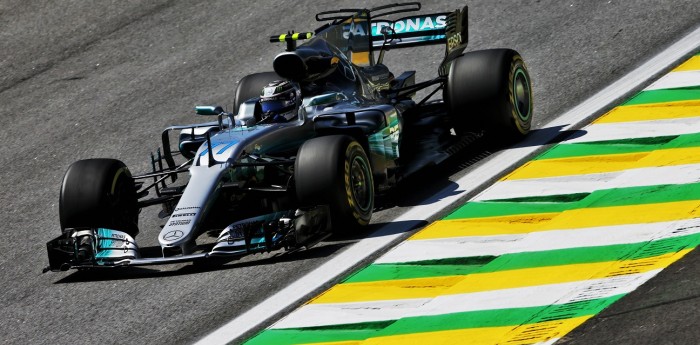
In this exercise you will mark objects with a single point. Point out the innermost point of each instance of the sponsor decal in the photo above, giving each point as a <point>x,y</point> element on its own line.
<point>355,29</point>
<point>184,215</point>
<point>187,208</point>
<point>115,235</point>
<point>180,222</point>
<point>413,24</point>
<point>237,231</point>
<point>454,40</point>
<point>173,235</point>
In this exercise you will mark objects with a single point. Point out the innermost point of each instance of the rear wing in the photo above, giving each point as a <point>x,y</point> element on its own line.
<point>362,28</point>
<point>449,28</point>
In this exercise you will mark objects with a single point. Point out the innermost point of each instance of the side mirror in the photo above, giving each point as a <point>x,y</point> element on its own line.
<point>208,110</point>
<point>249,112</point>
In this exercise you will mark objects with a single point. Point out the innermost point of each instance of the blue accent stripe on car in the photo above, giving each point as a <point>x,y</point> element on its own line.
<point>228,146</point>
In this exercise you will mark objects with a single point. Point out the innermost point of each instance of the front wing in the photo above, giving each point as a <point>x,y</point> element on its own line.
<point>97,248</point>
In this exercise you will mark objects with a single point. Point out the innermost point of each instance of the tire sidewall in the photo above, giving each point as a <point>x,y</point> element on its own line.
<point>521,117</point>
<point>358,211</point>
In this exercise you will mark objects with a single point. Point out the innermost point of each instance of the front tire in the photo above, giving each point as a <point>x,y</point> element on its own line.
<point>99,193</point>
<point>335,171</point>
<point>490,90</point>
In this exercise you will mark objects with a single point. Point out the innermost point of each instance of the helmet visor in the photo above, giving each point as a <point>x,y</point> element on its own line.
<point>277,106</point>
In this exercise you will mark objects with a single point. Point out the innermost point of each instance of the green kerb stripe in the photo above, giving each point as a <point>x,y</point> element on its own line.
<point>621,146</point>
<point>600,198</point>
<point>420,324</point>
<point>559,257</point>
<point>435,268</point>
<point>666,95</point>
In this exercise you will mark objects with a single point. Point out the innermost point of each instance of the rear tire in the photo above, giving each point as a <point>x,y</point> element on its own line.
<point>335,171</point>
<point>99,193</point>
<point>490,90</point>
<point>251,85</point>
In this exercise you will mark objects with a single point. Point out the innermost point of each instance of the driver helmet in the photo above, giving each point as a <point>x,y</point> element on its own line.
<point>279,101</point>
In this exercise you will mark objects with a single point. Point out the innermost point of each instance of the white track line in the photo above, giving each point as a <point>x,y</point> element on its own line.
<point>637,129</point>
<point>560,185</point>
<point>316,315</point>
<point>458,247</point>
<point>675,80</point>
<point>495,166</point>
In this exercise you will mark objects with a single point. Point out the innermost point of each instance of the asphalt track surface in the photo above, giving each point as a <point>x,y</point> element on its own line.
<point>101,79</point>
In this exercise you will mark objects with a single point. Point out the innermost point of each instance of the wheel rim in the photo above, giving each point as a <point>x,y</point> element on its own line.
<point>521,94</point>
<point>361,189</point>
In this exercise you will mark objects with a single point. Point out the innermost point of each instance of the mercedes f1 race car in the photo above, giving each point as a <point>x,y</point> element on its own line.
<point>308,147</point>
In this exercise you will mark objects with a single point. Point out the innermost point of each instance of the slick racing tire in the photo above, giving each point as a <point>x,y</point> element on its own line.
<point>490,90</point>
<point>335,171</point>
<point>251,86</point>
<point>99,193</point>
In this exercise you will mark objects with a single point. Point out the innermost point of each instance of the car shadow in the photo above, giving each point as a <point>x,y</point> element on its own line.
<point>432,183</point>
<point>549,136</point>
<point>376,230</point>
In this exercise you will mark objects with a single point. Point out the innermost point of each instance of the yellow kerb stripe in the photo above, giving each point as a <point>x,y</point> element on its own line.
<point>487,226</point>
<point>604,163</point>
<point>477,282</point>
<point>573,219</point>
<point>486,335</point>
<point>691,65</point>
<point>650,112</point>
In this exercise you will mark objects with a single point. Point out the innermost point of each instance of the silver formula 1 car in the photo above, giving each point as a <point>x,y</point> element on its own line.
<point>308,148</point>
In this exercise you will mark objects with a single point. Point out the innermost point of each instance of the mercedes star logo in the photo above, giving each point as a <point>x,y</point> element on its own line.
<point>173,235</point>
